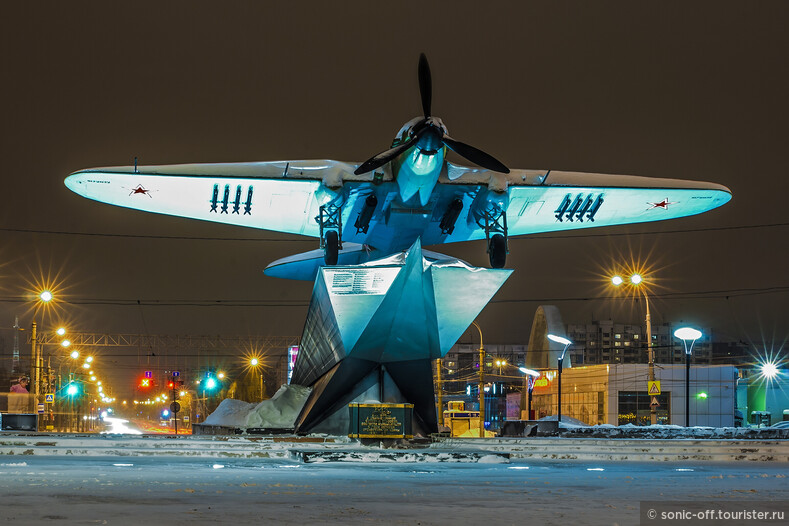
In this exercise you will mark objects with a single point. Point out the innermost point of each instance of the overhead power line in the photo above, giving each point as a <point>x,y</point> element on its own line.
<point>304,239</point>
<point>196,302</point>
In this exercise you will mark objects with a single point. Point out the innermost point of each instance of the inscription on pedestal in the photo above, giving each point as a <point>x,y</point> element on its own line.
<point>381,420</point>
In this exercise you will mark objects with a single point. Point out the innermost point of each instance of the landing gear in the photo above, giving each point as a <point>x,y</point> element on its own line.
<point>497,250</point>
<point>331,247</point>
<point>330,224</point>
<point>494,222</point>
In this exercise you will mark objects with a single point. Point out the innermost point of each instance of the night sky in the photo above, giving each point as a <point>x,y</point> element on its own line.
<point>667,90</point>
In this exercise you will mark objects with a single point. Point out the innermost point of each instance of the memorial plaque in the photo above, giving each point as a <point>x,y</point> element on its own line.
<point>381,420</point>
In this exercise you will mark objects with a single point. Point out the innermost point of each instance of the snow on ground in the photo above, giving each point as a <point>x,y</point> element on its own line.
<point>278,412</point>
<point>200,491</point>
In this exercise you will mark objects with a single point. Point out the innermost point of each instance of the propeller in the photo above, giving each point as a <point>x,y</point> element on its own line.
<point>430,134</point>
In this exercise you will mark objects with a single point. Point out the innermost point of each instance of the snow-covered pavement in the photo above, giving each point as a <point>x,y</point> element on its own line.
<point>168,490</point>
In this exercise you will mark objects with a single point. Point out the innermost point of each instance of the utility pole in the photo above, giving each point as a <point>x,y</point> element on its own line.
<point>15,359</point>
<point>34,360</point>
<point>651,357</point>
<point>440,393</point>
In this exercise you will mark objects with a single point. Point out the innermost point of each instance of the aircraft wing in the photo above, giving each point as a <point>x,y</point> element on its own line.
<point>286,196</point>
<point>283,196</point>
<point>551,200</point>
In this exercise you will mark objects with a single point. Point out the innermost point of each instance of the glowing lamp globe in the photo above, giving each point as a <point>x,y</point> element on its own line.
<point>769,370</point>
<point>687,333</point>
<point>617,280</point>
<point>635,279</point>
<point>559,339</point>
<point>45,296</point>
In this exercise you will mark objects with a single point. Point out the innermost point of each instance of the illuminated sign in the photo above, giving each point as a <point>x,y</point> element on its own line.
<point>381,420</point>
<point>355,281</point>
<point>293,352</point>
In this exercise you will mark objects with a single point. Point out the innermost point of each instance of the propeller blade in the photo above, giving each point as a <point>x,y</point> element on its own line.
<point>475,155</point>
<point>425,85</point>
<point>384,157</point>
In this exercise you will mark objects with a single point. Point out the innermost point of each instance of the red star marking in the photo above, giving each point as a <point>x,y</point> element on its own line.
<point>662,204</point>
<point>140,190</point>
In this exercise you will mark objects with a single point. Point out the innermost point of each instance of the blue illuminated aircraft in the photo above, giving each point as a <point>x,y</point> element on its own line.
<point>362,212</point>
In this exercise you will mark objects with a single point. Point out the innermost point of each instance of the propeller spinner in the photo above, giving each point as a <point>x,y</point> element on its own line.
<point>429,134</point>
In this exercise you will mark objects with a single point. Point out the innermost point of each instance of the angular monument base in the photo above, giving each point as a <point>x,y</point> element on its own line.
<point>374,330</point>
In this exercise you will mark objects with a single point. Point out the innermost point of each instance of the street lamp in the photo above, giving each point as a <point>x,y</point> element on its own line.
<point>532,375</point>
<point>637,281</point>
<point>500,364</point>
<point>564,341</point>
<point>685,334</point>
<point>255,363</point>
<point>769,370</point>
<point>481,383</point>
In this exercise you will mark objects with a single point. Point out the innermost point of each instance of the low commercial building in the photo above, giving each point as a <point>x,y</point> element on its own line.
<point>618,394</point>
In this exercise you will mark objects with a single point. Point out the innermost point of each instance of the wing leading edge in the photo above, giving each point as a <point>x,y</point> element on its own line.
<point>286,196</point>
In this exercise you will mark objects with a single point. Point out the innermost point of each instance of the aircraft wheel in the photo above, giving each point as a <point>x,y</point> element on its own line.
<point>331,249</point>
<point>497,251</point>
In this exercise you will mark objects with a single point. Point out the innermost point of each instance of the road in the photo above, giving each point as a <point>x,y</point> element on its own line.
<point>165,490</point>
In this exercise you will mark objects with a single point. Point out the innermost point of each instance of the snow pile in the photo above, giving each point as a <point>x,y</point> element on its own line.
<point>230,413</point>
<point>568,422</point>
<point>278,412</point>
<point>667,431</point>
<point>281,410</point>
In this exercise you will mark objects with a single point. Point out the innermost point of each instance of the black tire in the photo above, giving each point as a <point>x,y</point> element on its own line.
<point>331,248</point>
<point>497,251</point>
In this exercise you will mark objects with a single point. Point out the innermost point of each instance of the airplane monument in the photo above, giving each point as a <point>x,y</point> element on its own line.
<point>382,308</point>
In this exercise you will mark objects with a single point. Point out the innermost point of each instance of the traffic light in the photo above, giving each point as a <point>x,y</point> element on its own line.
<point>145,383</point>
<point>210,382</point>
<point>171,384</point>
<point>72,389</point>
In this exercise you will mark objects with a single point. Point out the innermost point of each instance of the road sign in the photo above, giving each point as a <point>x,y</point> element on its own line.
<point>49,398</point>
<point>40,408</point>
<point>654,401</point>
<point>149,374</point>
<point>176,373</point>
<point>653,388</point>
<point>186,418</point>
<point>175,407</point>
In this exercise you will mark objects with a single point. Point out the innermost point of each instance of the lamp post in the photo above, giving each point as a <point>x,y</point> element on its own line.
<point>637,282</point>
<point>481,383</point>
<point>566,343</point>
<point>531,375</point>
<point>255,363</point>
<point>500,364</point>
<point>685,334</point>
<point>42,298</point>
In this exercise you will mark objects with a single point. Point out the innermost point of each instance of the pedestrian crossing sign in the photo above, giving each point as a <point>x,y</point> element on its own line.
<point>653,388</point>
<point>49,398</point>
